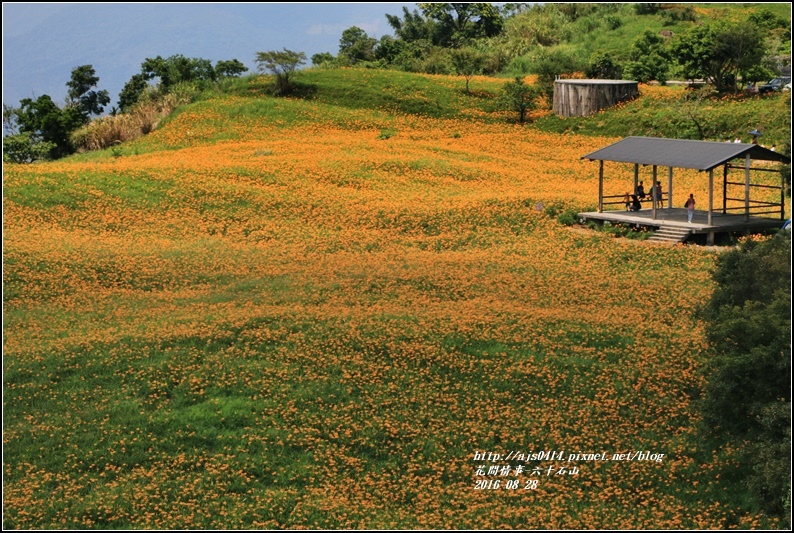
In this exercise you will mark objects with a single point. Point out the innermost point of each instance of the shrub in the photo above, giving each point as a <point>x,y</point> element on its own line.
<point>603,67</point>
<point>519,97</point>
<point>613,22</point>
<point>549,65</point>
<point>675,14</point>
<point>748,397</point>
<point>23,148</point>
<point>323,59</point>
<point>569,217</point>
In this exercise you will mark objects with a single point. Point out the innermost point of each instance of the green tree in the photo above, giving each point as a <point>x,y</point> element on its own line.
<point>649,59</point>
<point>412,27</point>
<point>602,66</point>
<point>10,123</point>
<point>550,65</point>
<point>468,62</point>
<point>322,58</point>
<point>519,97</point>
<point>178,69</point>
<point>229,68</point>
<point>132,91</point>
<point>757,73</point>
<point>282,64</point>
<point>355,45</point>
<point>720,52</point>
<point>412,56</point>
<point>767,20</point>
<point>748,397</point>
<point>24,148</point>
<point>457,24</point>
<point>42,130</point>
<point>82,95</point>
<point>388,48</point>
<point>45,122</point>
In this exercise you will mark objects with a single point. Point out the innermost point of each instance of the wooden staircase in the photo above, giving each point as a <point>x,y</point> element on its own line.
<point>670,235</point>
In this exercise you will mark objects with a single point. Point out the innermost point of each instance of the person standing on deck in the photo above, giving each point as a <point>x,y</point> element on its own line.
<point>690,208</point>
<point>640,191</point>
<point>656,195</point>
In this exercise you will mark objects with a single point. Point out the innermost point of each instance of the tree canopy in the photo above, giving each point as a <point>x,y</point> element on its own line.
<point>720,52</point>
<point>355,45</point>
<point>282,64</point>
<point>468,62</point>
<point>44,128</point>
<point>649,58</point>
<point>519,97</point>
<point>81,95</point>
<point>176,69</point>
<point>448,25</point>
<point>229,68</point>
<point>457,24</point>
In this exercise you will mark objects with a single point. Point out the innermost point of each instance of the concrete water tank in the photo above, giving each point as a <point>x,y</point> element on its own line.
<point>579,98</point>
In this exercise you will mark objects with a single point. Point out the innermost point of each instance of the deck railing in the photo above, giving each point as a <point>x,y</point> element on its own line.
<point>753,207</point>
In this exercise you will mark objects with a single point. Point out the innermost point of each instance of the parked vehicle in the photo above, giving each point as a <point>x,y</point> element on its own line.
<point>774,85</point>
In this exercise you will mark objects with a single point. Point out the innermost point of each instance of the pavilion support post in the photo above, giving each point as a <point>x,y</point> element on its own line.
<point>601,186</point>
<point>725,189</point>
<point>669,187</point>
<point>636,177</point>
<point>711,196</point>
<point>747,188</point>
<point>655,193</point>
<point>782,197</point>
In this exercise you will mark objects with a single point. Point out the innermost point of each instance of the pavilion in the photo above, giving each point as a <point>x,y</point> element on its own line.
<point>704,156</point>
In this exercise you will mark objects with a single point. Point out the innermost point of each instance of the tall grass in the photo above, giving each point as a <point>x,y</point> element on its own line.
<point>143,118</point>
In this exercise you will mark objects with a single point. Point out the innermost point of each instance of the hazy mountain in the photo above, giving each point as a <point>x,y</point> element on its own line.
<point>42,43</point>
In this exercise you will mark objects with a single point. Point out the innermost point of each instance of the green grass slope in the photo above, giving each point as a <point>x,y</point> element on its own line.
<point>315,313</point>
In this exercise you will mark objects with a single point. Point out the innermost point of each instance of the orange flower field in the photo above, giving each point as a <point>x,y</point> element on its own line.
<point>280,314</point>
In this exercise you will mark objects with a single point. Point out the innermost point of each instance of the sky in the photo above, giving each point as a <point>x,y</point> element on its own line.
<point>44,42</point>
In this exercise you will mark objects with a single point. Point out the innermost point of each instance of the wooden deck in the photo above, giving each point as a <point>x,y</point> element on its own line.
<point>677,218</point>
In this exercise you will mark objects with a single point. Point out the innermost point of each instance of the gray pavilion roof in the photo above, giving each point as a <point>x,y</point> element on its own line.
<point>679,153</point>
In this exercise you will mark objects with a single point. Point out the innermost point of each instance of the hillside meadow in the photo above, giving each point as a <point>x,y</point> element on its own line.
<point>291,313</point>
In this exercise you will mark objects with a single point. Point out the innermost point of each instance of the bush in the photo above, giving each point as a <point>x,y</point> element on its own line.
<point>602,66</point>
<point>568,217</point>
<point>23,148</point>
<point>551,64</point>
<point>748,397</point>
<point>519,97</point>
<point>438,61</point>
<point>613,22</point>
<point>675,14</point>
<point>647,8</point>
<point>551,210</point>
<point>519,66</point>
